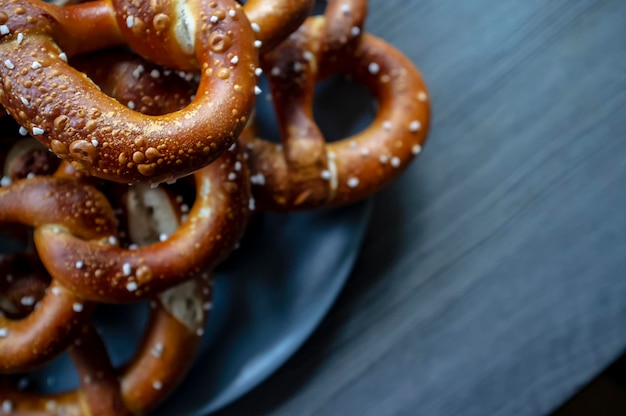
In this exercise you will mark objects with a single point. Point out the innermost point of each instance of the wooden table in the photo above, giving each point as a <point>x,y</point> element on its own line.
<point>493,277</point>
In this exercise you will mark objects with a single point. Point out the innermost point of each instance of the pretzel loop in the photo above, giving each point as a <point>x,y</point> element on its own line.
<point>66,112</point>
<point>114,274</point>
<point>163,358</point>
<point>54,204</point>
<point>305,172</point>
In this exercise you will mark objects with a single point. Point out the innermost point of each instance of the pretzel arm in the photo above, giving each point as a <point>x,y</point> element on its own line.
<point>215,223</point>
<point>277,19</point>
<point>58,205</point>
<point>66,112</point>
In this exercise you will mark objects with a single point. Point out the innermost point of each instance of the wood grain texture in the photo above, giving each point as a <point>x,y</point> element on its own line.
<point>493,277</point>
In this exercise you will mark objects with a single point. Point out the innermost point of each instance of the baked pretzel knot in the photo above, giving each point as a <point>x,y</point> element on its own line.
<point>163,358</point>
<point>65,111</point>
<point>57,205</point>
<point>305,172</point>
<point>164,355</point>
<point>113,274</point>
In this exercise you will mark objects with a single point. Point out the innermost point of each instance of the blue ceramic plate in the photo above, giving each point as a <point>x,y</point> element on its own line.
<point>269,296</point>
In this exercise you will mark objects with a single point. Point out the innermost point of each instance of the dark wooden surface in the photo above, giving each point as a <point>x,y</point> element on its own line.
<point>493,277</point>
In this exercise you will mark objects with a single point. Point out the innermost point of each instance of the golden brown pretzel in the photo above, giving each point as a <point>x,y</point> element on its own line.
<point>56,205</point>
<point>99,393</point>
<point>305,172</point>
<point>64,110</point>
<point>215,223</point>
<point>163,358</point>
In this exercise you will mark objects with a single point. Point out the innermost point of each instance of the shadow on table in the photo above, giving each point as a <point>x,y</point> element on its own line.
<point>605,395</point>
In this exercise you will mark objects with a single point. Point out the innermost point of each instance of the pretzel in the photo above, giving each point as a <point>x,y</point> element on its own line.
<point>304,172</point>
<point>56,205</point>
<point>215,223</point>
<point>65,111</point>
<point>163,358</point>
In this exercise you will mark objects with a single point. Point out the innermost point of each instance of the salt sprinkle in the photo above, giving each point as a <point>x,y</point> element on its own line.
<point>28,301</point>
<point>7,406</point>
<point>415,126</point>
<point>4,30</point>
<point>353,182</point>
<point>157,350</point>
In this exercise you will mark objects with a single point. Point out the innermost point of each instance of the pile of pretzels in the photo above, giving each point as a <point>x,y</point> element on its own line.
<point>132,163</point>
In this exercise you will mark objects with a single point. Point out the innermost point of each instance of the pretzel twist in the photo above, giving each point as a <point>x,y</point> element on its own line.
<point>56,205</point>
<point>305,172</point>
<point>162,359</point>
<point>64,110</point>
<point>215,223</point>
